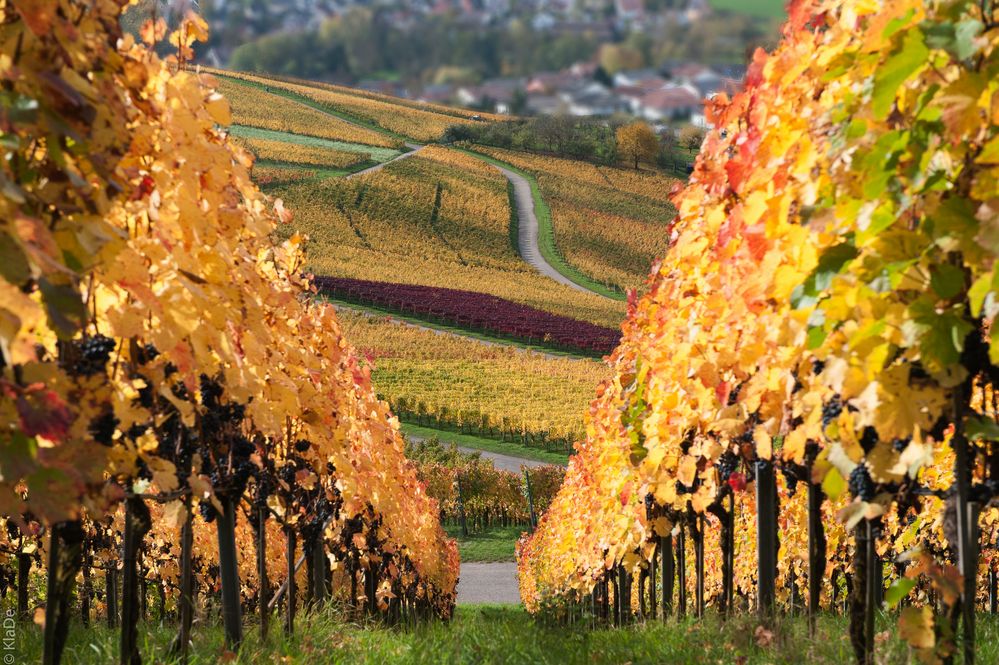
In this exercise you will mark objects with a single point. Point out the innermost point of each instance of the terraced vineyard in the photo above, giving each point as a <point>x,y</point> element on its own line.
<point>609,223</point>
<point>486,389</point>
<point>440,218</point>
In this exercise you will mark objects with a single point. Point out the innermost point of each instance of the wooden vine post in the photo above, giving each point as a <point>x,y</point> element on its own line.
<point>111,593</point>
<point>137,524</point>
<point>65,558</point>
<point>667,568</point>
<point>681,571</point>
<point>653,574</point>
<point>816,551</point>
<point>23,580</point>
<point>289,616</point>
<point>185,598</point>
<point>993,590</point>
<point>699,566</point>
<point>967,522</point>
<point>229,573</point>
<point>728,556</point>
<point>263,590</point>
<point>766,537</point>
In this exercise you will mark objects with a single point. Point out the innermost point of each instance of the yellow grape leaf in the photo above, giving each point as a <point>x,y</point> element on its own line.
<point>661,526</point>
<point>153,31</point>
<point>915,626</point>
<point>665,493</point>
<point>164,473</point>
<point>218,107</point>
<point>764,443</point>
<point>174,514</point>
<point>687,470</point>
<point>794,445</point>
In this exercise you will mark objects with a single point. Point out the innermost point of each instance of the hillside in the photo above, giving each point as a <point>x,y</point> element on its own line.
<point>384,209</point>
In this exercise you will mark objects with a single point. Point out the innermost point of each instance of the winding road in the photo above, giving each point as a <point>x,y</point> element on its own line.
<point>527,231</point>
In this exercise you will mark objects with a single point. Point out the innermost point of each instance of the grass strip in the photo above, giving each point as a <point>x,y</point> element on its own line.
<point>375,153</point>
<point>502,634</point>
<point>546,233</point>
<point>489,445</point>
<point>493,544</point>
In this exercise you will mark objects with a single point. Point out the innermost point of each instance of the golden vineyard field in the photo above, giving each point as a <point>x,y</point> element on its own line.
<point>403,119</point>
<point>459,380</point>
<point>259,108</point>
<point>378,227</point>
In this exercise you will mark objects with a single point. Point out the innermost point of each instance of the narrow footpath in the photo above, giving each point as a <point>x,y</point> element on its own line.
<point>413,149</point>
<point>488,583</point>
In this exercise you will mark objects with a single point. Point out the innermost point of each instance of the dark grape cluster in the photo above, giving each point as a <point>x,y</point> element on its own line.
<point>733,396</point>
<point>861,484</point>
<point>90,355</point>
<point>302,445</point>
<point>207,510</point>
<point>790,478</point>
<point>868,439</point>
<point>146,354</point>
<point>831,410</point>
<point>900,444</point>
<point>727,464</point>
<point>102,428</point>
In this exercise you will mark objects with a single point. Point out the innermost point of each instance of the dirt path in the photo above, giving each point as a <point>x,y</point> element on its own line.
<point>499,460</point>
<point>527,230</point>
<point>488,583</point>
<point>413,149</point>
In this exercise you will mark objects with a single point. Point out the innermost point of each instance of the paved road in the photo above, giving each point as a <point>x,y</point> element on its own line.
<point>488,583</point>
<point>527,231</point>
<point>413,149</point>
<point>499,460</point>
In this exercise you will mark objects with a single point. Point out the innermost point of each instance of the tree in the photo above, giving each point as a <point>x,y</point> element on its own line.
<point>691,137</point>
<point>637,142</point>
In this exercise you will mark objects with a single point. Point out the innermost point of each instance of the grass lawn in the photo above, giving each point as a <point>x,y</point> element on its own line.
<point>491,445</point>
<point>488,635</point>
<point>493,544</point>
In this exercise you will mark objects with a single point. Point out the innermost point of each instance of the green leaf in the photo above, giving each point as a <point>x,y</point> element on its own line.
<point>980,427</point>
<point>830,264</point>
<point>947,280</point>
<point>898,591</point>
<point>816,335</point>
<point>65,308</point>
<point>910,57</point>
<point>977,293</point>
<point>14,265</point>
<point>833,484</point>
<point>965,34</point>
